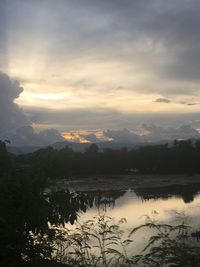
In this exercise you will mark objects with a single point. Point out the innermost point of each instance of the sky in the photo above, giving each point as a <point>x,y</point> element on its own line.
<point>99,65</point>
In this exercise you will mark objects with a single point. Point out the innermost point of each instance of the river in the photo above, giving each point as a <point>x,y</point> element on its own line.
<point>171,204</point>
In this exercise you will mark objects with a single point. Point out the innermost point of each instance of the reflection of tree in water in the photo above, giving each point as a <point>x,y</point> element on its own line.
<point>105,199</point>
<point>186,192</point>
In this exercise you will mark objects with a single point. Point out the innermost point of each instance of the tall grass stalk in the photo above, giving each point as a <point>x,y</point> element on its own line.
<point>101,242</point>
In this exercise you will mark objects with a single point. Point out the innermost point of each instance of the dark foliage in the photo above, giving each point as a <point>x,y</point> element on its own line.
<point>182,157</point>
<point>28,212</point>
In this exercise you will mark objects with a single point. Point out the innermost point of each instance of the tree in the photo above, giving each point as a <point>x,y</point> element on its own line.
<point>28,214</point>
<point>92,149</point>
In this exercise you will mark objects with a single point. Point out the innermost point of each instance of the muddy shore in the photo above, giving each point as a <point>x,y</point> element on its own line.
<point>124,182</point>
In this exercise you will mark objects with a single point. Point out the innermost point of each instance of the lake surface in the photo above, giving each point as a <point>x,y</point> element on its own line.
<point>133,204</point>
<point>169,204</point>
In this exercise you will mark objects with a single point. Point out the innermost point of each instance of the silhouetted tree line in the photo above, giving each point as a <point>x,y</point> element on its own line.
<point>181,157</point>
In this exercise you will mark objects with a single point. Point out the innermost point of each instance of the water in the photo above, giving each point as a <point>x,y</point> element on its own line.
<point>173,205</point>
<point>170,203</point>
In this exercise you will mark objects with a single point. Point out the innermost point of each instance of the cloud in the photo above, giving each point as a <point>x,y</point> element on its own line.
<point>87,119</point>
<point>157,41</point>
<point>11,116</point>
<point>110,119</point>
<point>90,137</point>
<point>76,119</point>
<point>26,136</point>
<point>126,44</point>
<point>49,136</point>
<point>191,103</point>
<point>123,135</point>
<point>14,123</point>
<point>162,100</point>
<point>166,100</point>
<point>152,132</point>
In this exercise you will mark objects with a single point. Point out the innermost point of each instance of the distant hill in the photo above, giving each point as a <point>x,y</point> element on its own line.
<point>23,149</point>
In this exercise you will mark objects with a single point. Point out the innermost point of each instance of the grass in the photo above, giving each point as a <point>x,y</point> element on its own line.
<point>101,242</point>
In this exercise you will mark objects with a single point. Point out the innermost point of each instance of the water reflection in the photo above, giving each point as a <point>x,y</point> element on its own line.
<point>169,203</point>
<point>105,199</point>
<point>134,204</point>
<point>186,192</point>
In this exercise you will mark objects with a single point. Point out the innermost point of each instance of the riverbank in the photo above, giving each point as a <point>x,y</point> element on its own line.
<point>124,182</point>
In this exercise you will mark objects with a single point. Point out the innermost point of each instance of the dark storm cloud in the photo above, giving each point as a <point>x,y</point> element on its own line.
<point>11,116</point>
<point>26,136</point>
<point>14,123</point>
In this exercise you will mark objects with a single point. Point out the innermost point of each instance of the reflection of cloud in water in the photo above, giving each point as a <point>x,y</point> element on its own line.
<point>134,208</point>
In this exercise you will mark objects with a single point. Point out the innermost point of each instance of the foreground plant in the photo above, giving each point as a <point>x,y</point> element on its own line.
<point>100,242</point>
<point>97,242</point>
<point>169,245</point>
